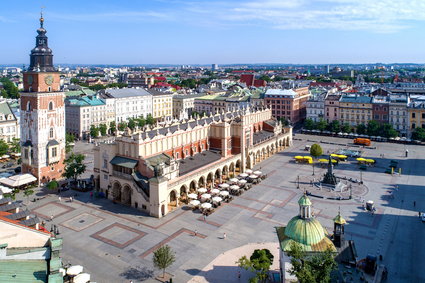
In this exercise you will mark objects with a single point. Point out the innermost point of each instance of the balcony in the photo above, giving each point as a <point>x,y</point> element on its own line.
<point>122,175</point>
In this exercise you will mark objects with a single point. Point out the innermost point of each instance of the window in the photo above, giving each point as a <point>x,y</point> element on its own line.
<point>54,152</point>
<point>423,115</point>
<point>28,106</point>
<point>105,163</point>
<point>105,176</point>
<point>51,105</point>
<point>413,125</point>
<point>413,115</point>
<point>51,133</point>
<point>26,153</point>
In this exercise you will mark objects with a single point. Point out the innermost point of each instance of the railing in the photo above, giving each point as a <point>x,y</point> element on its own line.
<point>122,175</point>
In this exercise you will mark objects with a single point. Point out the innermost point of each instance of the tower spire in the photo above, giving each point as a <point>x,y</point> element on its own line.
<point>41,17</point>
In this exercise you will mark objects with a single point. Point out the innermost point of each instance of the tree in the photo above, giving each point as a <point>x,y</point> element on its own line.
<point>265,78</point>
<point>122,126</point>
<point>10,89</point>
<point>387,130</point>
<point>321,125</point>
<point>74,166</point>
<point>4,147</point>
<point>309,124</point>
<point>141,122</point>
<point>53,185</point>
<point>113,127</point>
<point>103,129</point>
<point>75,81</point>
<point>69,142</point>
<point>419,134</point>
<point>311,269</point>
<point>335,126</point>
<point>163,258</point>
<point>361,129</point>
<point>259,262</point>
<point>97,87</point>
<point>285,122</point>
<point>94,131</point>
<point>316,150</point>
<point>131,124</point>
<point>372,128</point>
<point>150,120</point>
<point>15,145</point>
<point>28,193</point>
<point>346,128</point>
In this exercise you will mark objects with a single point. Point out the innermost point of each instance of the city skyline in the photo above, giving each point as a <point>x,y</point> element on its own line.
<point>235,32</point>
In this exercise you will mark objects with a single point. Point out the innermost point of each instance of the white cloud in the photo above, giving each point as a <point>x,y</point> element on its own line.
<point>123,16</point>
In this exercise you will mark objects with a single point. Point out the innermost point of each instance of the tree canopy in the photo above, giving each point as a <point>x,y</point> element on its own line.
<point>74,166</point>
<point>419,134</point>
<point>259,262</point>
<point>309,124</point>
<point>316,150</point>
<point>4,147</point>
<point>10,90</point>
<point>163,258</point>
<point>94,131</point>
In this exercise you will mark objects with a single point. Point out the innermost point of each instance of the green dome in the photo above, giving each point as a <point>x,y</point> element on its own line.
<point>305,231</point>
<point>304,200</point>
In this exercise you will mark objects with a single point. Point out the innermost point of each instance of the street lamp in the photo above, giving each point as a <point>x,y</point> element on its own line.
<point>298,182</point>
<point>361,177</point>
<point>313,168</point>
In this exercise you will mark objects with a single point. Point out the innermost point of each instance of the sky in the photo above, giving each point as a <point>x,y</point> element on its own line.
<point>220,32</point>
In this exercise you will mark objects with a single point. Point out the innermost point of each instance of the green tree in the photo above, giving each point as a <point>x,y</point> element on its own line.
<point>361,129</point>
<point>113,127</point>
<point>4,147</point>
<point>316,150</point>
<point>141,122</point>
<point>74,166</point>
<point>346,128</point>
<point>285,122</point>
<point>150,120</point>
<point>28,193</point>
<point>10,88</point>
<point>94,131</point>
<point>53,185</point>
<point>259,262</point>
<point>309,124</point>
<point>311,269</point>
<point>419,134</point>
<point>372,128</point>
<point>69,142</point>
<point>335,126</point>
<point>131,124</point>
<point>387,130</point>
<point>265,78</point>
<point>75,81</point>
<point>97,87</point>
<point>103,129</point>
<point>122,126</point>
<point>15,145</point>
<point>321,125</point>
<point>163,258</point>
<point>278,78</point>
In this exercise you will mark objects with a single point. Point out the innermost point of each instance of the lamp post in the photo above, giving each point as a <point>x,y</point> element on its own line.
<point>361,177</point>
<point>298,182</point>
<point>313,168</point>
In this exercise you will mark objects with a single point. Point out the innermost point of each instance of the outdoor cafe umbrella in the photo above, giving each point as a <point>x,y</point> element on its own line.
<point>217,199</point>
<point>253,176</point>
<point>202,190</point>
<point>5,190</point>
<point>81,278</point>
<point>248,171</point>
<point>224,193</point>
<point>206,205</point>
<point>74,270</point>
<point>243,175</point>
<point>234,180</point>
<point>224,186</point>
<point>215,191</point>
<point>5,156</point>
<point>192,196</point>
<point>258,173</point>
<point>206,196</point>
<point>234,187</point>
<point>194,202</point>
<point>242,182</point>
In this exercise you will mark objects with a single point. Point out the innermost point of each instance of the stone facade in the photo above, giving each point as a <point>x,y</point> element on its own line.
<point>9,126</point>
<point>398,114</point>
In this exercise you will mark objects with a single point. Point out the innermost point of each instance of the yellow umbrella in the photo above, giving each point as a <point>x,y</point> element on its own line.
<point>333,160</point>
<point>334,155</point>
<point>342,156</point>
<point>360,159</point>
<point>298,157</point>
<point>308,157</point>
<point>323,160</point>
<point>370,160</point>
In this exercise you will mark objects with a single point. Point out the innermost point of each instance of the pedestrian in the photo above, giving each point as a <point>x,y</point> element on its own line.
<point>60,199</point>
<point>239,275</point>
<point>70,199</point>
<point>311,183</point>
<point>196,232</point>
<point>224,236</point>
<point>51,217</point>
<point>414,203</point>
<point>205,218</point>
<point>419,214</point>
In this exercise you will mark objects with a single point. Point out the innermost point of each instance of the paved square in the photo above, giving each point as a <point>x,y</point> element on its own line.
<point>52,208</point>
<point>82,221</point>
<point>118,235</point>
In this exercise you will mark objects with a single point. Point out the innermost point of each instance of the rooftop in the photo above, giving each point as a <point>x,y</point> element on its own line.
<point>356,99</point>
<point>24,271</point>
<point>124,92</point>
<point>280,92</point>
<point>197,161</point>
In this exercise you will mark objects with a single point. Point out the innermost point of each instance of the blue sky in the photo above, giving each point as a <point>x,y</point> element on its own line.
<point>223,32</point>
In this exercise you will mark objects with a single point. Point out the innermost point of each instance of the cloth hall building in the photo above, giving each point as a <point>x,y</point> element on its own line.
<point>152,170</point>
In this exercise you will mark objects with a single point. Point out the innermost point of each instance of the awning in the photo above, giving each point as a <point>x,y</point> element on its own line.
<point>18,180</point>
<point>52,143</point>
<point>124,162</point>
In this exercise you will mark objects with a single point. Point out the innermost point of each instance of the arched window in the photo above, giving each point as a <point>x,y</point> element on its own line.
<point>51,105</point>
<point>51,133</point>
<point>28,106</point>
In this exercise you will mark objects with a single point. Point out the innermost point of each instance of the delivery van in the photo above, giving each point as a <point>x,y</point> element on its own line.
<point>362,141</point>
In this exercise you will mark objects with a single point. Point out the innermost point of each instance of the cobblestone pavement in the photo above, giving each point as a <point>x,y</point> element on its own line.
<point>114,243</point>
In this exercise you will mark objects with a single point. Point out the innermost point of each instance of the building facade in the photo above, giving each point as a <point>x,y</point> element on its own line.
<point>82,112</point>
<point>315,107</point>
<point>153,170</point>
<point>127,103</point>
<point>332,107</point>
<point>162,105</point>
<point>9,126</point>
<point>380,109</point>
<point>183,106</point>
<point>355,109</point>
<point>416,113</point>
<point>42,114</point>
<point>398,114</point>
<point>288,103</point>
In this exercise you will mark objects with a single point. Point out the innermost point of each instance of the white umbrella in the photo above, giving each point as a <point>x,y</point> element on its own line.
<point>224,193</point>
<point>234,187</point>
<point>202,190</point>
<point>5,156</point>
<point>62,271</point>
<point>233,180</point>
<point>242,182</point>
<point>74,270</point>
<point>5,190</point>
<point>217,199</point>
<point>18,154</point>
<point>192,196</point>
<point>258,173</point>
<point>215,191</point>
<point>248,171</point>
<point>194,202</point>
<point>82,278</point>
<point>206,205</point>
<point>206,196</point>
<point>243,175</point>
<point>224,186</point>
<point>253,176</point>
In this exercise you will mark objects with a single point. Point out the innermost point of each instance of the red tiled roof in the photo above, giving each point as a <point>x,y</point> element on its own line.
<point>16,222</point>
